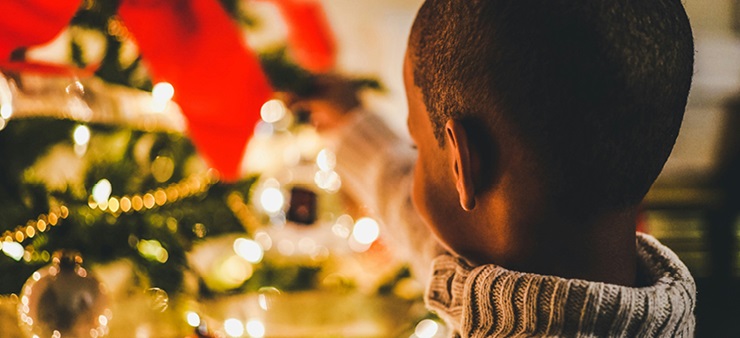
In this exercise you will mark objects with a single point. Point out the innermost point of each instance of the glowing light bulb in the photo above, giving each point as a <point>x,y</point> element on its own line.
<point>13,250</point>
<point>192,318</point>
<point>103,320</point>
<point>255,328</point>
<point>272,200</point>
<point>273,111</point>
<point>326,160</point>
<point>101,191</point>
<point>234,327</point>
<point>426,328</point>
<point>81,135</point>
<point>162,93</point>
<point>366,230</point>
<point>249,250</point>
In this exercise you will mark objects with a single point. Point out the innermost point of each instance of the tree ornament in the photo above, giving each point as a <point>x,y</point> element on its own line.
<point>63,300</point>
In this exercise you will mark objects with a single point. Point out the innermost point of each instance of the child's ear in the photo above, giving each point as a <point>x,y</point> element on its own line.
<point>464,161</point>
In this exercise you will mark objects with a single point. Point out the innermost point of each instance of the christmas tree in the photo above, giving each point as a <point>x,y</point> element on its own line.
<point>98,161</point>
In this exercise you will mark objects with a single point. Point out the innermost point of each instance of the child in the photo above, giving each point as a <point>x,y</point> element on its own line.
<point>540,126</point>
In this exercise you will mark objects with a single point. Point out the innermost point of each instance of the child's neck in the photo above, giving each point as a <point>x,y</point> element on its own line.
<point>600,250</point>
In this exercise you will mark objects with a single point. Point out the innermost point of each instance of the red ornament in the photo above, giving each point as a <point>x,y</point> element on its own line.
<point>310,38</point>
<point>219,83</point>
<point>31,22</point>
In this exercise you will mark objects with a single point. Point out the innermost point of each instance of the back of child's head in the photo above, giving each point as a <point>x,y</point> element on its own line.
<point>595,90</point>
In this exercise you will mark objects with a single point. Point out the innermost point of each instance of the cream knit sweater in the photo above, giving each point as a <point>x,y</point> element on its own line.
<point>490,301</point>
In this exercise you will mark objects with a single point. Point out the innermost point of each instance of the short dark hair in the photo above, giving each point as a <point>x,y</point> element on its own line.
<point>595,89</point>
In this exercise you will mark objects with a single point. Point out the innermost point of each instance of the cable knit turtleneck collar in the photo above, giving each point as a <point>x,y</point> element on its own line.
<point>490,301</point>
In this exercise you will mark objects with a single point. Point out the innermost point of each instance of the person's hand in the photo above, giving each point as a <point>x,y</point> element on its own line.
<point>325,116</point>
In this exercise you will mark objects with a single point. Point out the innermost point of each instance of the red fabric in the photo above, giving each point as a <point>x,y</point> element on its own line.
<point>218,81</point>
<point>30,22</point>
<point>310,38</point>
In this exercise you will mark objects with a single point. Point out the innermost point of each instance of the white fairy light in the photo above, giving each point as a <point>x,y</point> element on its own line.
<point>366,230</point>
<point>101,191</point>
<point>103,320</point>
<point>273,111</point>
<point>326,160</point>
<point>13,250</point>
<point>255,328</point>
<point>162,93</point>
<point>234,327</point>
<point>81,135</point>
<point>192,318</point>
<point>272,200</point>
<point>426,328</point>
<point>249,250</point>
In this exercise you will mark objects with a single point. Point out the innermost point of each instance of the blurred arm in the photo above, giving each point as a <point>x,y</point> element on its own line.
<point>376,167</point>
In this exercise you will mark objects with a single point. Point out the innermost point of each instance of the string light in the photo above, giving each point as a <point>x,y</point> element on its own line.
<point>12,240</point>
<point>190,186</point>
<point>100,199</point>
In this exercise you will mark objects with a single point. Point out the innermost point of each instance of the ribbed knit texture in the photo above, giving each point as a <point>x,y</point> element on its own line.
<point>490,301</point>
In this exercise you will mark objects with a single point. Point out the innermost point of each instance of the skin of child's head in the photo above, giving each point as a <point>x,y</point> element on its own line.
<point>584,97</point>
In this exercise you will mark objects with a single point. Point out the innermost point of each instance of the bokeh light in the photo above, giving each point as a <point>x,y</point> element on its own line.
<point>366,230</point>
<point>101,191</point>
<point>162,93</point>
<point>192,318</point>
<point>255,328</point>
<point>426,328</point>
<point>272,200</point>
<point>81,135</point>
<point>249,250</point>
<point>273,111</point>
<point>326,160</point>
